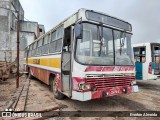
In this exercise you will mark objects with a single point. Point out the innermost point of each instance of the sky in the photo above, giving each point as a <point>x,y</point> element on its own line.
<point>142,14</point>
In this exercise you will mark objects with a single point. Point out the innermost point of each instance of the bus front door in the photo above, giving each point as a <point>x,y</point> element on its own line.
<point>139,70</point>
<point>66,61</point>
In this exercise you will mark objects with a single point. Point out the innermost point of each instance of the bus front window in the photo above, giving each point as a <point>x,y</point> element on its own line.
<point>123,53</point>
<point>97,47</point>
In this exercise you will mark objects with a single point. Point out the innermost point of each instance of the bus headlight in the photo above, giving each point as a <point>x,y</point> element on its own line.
<point>133,82</point>
<point>83,86</point>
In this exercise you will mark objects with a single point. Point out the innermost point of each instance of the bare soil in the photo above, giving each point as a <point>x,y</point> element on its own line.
<point>7,90</point>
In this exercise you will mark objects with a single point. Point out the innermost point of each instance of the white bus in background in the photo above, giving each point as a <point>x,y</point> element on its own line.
<point>147,60</point>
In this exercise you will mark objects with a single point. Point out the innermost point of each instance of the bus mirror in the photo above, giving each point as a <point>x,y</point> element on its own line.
<point>78,31</point>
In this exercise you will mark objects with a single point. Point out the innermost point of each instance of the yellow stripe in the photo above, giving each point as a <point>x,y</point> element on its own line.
<point>49,62</point>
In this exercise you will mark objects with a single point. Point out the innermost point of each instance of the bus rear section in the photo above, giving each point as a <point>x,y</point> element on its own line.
<point>147,61</point>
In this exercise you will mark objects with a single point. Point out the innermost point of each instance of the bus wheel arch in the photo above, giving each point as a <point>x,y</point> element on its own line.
<point>53,83</point>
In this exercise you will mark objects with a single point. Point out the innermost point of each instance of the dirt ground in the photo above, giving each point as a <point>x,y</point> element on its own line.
<point>7,90</point>
<point>147,99</point>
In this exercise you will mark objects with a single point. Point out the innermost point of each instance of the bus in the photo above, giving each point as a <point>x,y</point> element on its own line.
<point>147,61</point>
<point>87,56</point>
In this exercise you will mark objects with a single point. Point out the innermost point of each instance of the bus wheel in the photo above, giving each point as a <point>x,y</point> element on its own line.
<point>30,75</point>
<point>54,87</point>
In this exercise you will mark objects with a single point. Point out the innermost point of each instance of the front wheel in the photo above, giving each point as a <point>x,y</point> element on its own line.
<point>54,88</point>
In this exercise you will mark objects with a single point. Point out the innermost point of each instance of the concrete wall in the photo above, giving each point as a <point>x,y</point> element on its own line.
<point>28,26</point>
<point>26,38</point>
<point>4,23</point>
<point>4,41</point>
<point>4,4</point>
<point>29,31</point>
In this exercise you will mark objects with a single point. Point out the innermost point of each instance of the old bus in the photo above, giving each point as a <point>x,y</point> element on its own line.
<point>87,56</point>
<point>147,61</point>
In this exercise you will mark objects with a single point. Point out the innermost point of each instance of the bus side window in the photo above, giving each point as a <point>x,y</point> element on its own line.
<point>56,41</point>
<point>39,46</point>
<point>140,54</point>
<point>156,54</point>
<point>52,47</point>
<point>45,44</point>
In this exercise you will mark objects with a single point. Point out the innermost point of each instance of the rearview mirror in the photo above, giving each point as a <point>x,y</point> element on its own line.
<point>78,31</point>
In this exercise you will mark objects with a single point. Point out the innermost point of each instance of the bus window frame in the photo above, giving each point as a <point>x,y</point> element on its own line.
<point>30,51</point>
<point>48,43</point>
<point>140,55</point>
<point>39,46</point>
<point>55,40</point>
<point>153,45</point>
<point>104,25</point>
<point>110,17</point>
<point>34,49</point>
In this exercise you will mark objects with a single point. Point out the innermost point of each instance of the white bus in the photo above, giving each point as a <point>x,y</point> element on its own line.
<point>147,61</point>
<point>87,56</point>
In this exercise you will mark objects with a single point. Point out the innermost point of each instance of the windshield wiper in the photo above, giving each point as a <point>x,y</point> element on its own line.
<point>122,40</point>
<point>101,37</point>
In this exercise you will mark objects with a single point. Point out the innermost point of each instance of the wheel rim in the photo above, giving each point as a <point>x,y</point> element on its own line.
<point>55,87</point>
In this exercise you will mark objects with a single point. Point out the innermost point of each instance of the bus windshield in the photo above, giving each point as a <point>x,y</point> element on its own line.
<point>103,46</point>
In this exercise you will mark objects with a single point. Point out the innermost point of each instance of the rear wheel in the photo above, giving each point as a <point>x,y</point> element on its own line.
<point>30,75</point>
<point>54,88</point>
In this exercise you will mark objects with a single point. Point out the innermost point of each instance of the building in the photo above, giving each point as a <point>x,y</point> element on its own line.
<point>29,31</point>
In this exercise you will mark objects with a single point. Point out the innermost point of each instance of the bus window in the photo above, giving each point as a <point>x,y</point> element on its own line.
<point>52,47</point>
<point>59,35</point>
<point>93,48</point>
<point>56,42</point>
<point>34,49</point>
<point>45,44</point>
<point>123,53</point>
<point>38,52</point>
<point>140,54</point>
<point>156,54</point>
<point>30,51</point>
<point>26,52</point>
<point>59,45</point>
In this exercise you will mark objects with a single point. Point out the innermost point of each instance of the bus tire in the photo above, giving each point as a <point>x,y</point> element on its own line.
<point>54,88</point>
<point>30,75</point>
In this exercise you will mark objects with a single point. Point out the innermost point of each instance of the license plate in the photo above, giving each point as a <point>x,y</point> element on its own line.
<point>135,88</point>
<point>115,91</point>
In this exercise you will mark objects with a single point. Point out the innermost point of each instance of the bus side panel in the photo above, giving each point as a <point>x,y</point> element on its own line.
<point>41,74</point>
<point>139,70</point>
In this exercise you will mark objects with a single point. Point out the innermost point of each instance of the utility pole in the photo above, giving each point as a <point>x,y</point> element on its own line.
<point>17,76</point>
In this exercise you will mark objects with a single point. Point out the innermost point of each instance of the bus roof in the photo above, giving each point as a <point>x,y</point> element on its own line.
<point>144,44</point>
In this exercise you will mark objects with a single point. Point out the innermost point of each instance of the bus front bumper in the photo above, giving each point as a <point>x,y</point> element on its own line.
<point>89,95</point>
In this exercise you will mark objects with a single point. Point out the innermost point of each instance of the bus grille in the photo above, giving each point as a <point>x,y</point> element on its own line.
<point>109,82</point>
